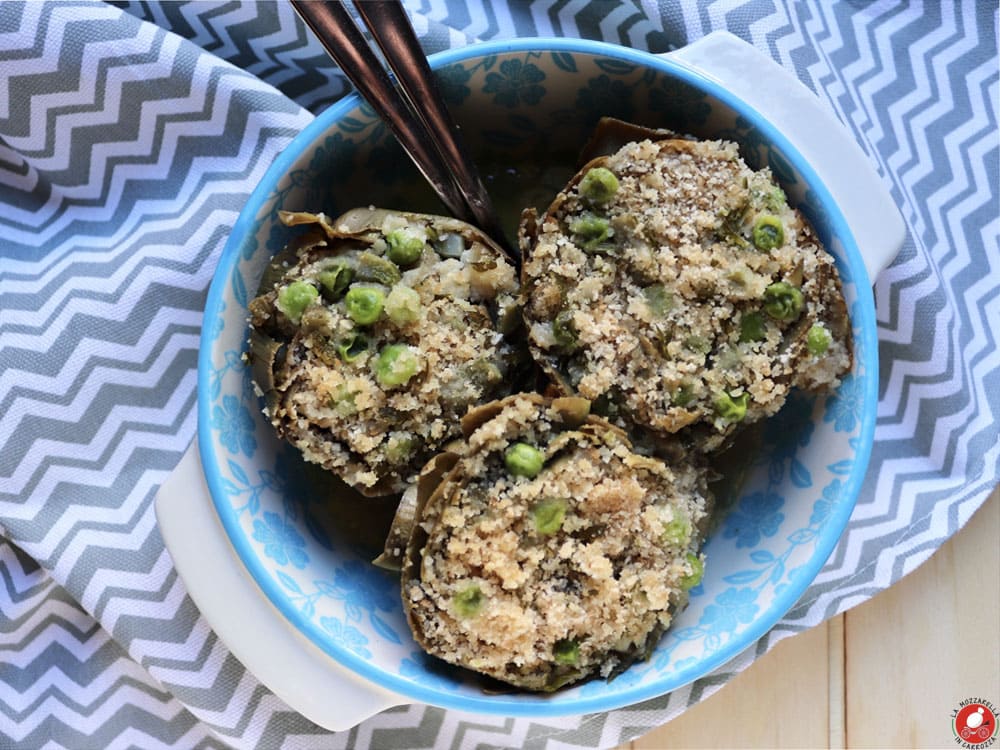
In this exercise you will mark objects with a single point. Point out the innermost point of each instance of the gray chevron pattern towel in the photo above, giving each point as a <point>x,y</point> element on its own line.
<point>130,135</point>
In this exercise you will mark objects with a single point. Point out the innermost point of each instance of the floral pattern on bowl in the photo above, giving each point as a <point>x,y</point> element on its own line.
<point>798,488</point>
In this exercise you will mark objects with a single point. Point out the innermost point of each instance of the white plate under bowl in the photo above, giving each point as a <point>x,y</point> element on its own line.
<point>294,668</point>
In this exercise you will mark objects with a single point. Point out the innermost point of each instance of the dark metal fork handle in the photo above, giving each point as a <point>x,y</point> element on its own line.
<point>394,35</point>
<point>418,117</point>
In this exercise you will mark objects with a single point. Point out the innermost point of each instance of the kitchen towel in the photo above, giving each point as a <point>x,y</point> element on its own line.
<point>131,134</point>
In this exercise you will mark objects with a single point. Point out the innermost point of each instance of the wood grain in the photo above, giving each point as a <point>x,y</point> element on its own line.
<point>781,701</point>
<point>930,641</point>
<point>885,674</point>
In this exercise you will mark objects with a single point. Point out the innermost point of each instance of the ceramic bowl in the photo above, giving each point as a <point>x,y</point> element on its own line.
<point>525,108</point>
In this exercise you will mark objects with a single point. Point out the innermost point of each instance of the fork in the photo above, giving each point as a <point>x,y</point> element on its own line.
<point>414,110</point>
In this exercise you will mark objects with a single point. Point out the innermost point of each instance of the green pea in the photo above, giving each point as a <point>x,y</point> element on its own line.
<point>377,269</point>
<point>334,280</point>
<point>697,571</point>
<point>547,515</point>
<point>732,408</point>
<point>677,532</point>
<point>566,651</point>
<point>660,301</point>
<point>818,340</point>
<point>469,601</point>
<point>752,327</point>
<point>402,305</point>
<point>564,331</point>
<point>523,460</point>
<point>599,185</point>
<point>364,304</point>
<point>352,346</point>
<point>768,233</point>
<point>782,301</point>
<point>396,364</point>
<point>589,231</point>
<point>405,247</point>
<point>295,298</point>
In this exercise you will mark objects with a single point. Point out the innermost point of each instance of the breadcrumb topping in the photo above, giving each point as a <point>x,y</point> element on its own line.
<point>607,577</point>
<point>655,311</point>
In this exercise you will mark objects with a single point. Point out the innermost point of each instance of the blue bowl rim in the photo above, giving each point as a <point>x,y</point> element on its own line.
<point>516,705</point>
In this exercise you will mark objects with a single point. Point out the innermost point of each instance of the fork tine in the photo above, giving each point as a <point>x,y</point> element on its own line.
<point>390,28</point>
<point>344,42</point>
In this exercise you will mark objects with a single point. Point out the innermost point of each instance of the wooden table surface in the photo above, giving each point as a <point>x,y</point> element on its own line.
<point>887,673</point>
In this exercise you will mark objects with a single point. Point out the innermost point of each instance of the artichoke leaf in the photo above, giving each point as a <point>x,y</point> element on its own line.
<point>298,218</point>
<point>573,410</point>
<point>611,134</point>
<point>430,486</point>
<point>399,532</point>
<point>366,224</point>
<point>263,352</point>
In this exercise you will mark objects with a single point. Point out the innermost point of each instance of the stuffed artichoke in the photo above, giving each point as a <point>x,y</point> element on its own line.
<point>549,551</point>
<point>372,335</point>
<point>676,288</point>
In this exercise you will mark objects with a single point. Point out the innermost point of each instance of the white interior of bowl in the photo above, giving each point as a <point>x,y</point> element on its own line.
<point>800,480</point>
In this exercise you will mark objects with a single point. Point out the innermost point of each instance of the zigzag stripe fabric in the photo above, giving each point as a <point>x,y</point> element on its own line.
<point>131,134</point>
